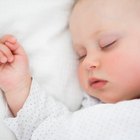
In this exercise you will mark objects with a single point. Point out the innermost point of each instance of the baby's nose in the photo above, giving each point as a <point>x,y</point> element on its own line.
<point>91,63</point>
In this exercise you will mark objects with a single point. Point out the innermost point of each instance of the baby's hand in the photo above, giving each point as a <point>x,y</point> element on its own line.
<point>14,68</point>
<point>5,52</point>
<point>15,78</point>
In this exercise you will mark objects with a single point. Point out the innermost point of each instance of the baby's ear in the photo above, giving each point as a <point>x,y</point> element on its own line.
<point>8,38</point>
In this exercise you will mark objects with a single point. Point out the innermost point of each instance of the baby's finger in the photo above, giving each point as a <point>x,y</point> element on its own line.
<point>12,43</point>
<point>7,53</point>
<point>11,46</point>
<point>8,38</point>
<point>3,58</point>
<point>16,48</point>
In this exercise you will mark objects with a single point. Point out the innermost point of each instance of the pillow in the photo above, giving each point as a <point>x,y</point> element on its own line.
<point>41,26</point>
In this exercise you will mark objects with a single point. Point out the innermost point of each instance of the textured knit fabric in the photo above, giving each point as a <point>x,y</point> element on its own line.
<point>43,118</point>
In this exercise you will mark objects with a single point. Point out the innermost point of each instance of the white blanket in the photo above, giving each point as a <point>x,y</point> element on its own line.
<point>43,118</point>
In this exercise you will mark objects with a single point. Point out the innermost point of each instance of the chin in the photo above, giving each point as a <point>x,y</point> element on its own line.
<point>111,100</point>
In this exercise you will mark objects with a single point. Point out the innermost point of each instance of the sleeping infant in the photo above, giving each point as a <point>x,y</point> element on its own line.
<point>106,38</point>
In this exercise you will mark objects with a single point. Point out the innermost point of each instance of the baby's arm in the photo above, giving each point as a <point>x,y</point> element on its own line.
<point>15,78</point>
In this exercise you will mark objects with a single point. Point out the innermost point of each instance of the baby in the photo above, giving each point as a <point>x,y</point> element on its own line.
<point>106,38</point>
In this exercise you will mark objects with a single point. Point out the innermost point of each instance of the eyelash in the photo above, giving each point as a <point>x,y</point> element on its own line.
<point>81,57</point>
<point>109,45</point>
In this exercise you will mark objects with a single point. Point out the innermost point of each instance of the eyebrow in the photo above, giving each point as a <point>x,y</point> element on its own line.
<point>97,33</point>
<point>104,33</point>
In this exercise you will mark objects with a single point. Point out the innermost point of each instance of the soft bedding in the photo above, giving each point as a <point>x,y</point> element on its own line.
<point>43,118</point>
<point>42,28</point>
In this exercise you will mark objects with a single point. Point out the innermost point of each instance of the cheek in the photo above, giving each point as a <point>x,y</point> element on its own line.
<point>80,74</point>
<point>82,77</point>
<point>112,64</point>
<point>123,67</point>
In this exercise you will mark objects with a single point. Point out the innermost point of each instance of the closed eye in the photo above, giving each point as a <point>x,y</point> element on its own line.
<point>109,45</point>
<point>81,57</point>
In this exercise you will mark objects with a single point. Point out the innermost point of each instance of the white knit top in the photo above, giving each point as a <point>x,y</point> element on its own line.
<point>43,118</point>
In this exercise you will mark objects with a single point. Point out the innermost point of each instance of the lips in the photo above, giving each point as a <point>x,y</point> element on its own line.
<point>96,83</point>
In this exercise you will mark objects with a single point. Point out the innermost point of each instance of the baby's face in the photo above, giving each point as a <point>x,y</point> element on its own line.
<point>106,37</point>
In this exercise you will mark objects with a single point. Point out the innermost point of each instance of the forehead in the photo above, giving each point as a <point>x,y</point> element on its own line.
<point>105,8</point>
<point>104,3</point>
<point>89,14</point>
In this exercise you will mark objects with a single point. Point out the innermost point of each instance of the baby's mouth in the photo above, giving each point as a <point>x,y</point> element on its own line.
<point>96,83</point>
